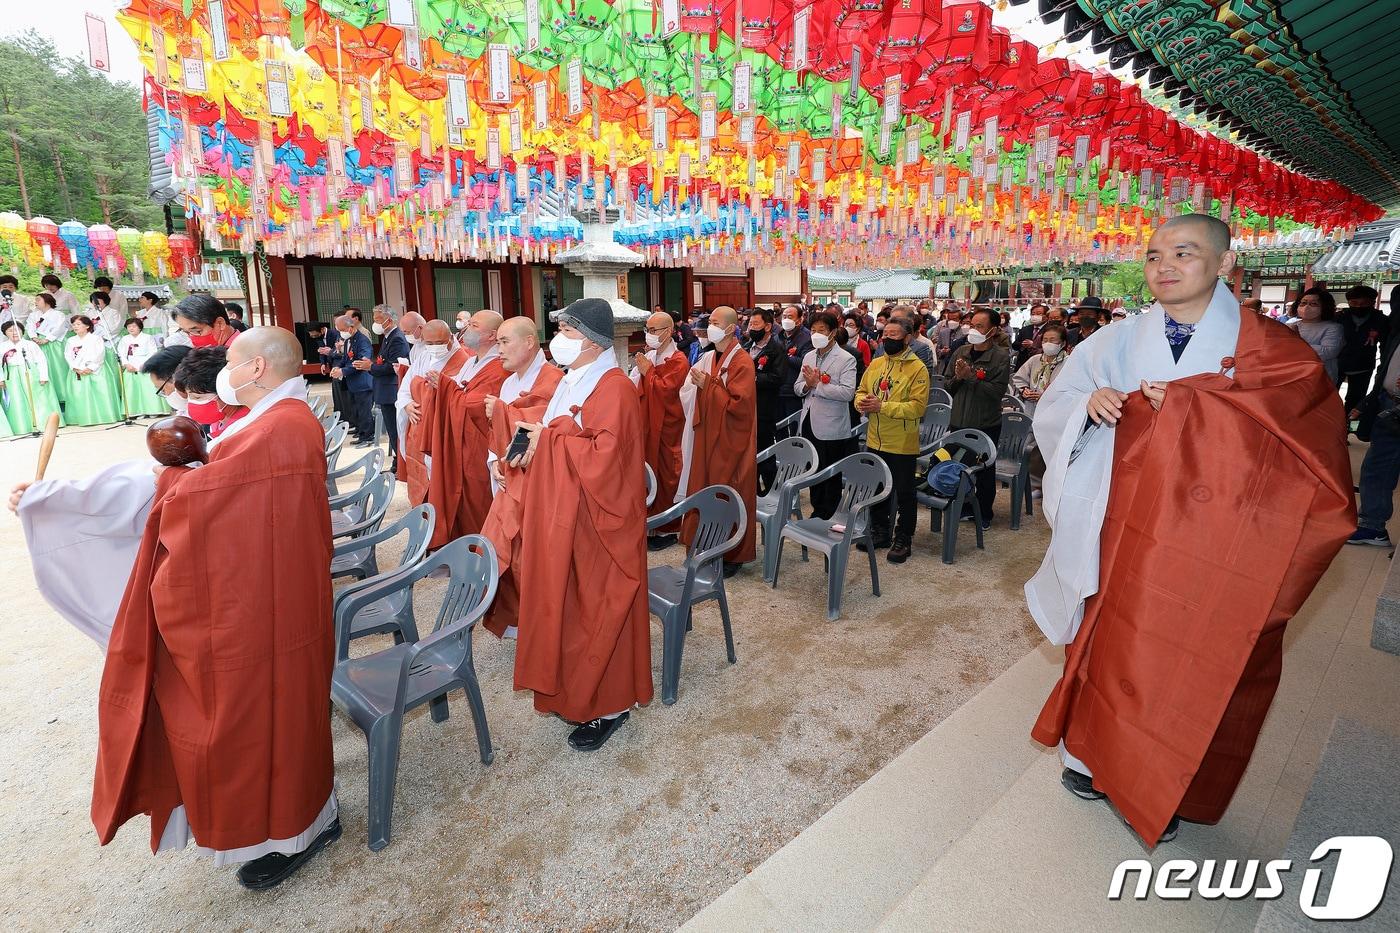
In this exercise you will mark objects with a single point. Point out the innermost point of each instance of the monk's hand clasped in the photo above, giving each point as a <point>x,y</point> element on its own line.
<point>701,379</point>
<point>642,363</point>
<point>524,459</point>
<point>1106,405</point>
<point>490,404</point>
<point>1154,392</point>
<point>432,378</point>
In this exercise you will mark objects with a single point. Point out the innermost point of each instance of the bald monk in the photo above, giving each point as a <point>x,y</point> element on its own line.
<point>212,712</point>
<point>724,425</point>
<point>659,375</point>
<point>576,531</point>
<point>459,486</point>
<point>524,397</point>
<point>430,355</point>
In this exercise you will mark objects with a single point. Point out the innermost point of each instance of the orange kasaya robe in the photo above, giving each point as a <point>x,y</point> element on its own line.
<point>527,409</point>
<point>660,392</point>
<point>216,685</point>
<point>1226,508</point>
<point>574,536</point>
<point>413,469</point>
<point>459,486</point>
<point>726,440</point>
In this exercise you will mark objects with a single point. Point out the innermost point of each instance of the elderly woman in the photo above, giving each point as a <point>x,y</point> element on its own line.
<point>1035,375</point>
<point>1314,314</point>
<point>94,397</point>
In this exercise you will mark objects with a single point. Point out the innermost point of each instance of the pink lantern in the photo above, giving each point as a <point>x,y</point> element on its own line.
<point>103,240</point>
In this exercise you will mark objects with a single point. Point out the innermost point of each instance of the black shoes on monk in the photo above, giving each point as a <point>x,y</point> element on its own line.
<point>731,569</point>
<point>274,868</point>
<point>595,733</point>
<point>660,542</point>
<point>1080,785</point>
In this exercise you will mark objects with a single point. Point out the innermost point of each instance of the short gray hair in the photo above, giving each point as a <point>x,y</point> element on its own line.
<point>391,313</point>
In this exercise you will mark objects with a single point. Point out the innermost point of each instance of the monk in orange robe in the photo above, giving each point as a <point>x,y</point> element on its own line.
<point>725,428</point>
<point>430,356</point>
<point>577,534</point>
<point>1217,445</point>
<point>212,713</point>
<point>524,397</point>
<point>458,485</point>
<point>659,375</point>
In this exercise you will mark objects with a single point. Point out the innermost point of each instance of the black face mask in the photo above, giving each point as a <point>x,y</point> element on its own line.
<point>893,347</point>
<point>757,335</point>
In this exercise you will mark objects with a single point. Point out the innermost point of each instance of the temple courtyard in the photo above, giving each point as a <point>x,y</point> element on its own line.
<point>872,772</point>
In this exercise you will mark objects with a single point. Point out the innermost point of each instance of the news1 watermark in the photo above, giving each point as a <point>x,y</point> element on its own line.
<point>1358,877</point>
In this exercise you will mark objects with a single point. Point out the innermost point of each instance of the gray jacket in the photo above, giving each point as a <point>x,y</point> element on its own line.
<point>827,405</point>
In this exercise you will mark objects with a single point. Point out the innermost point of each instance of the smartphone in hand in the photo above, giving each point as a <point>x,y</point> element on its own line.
<point>518,445</point>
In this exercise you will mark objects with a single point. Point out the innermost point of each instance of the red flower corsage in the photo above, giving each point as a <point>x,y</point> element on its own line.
<point>826,377</point>
<point>574,409</point>
<point>762,362</point>
<point>981,374</point>
<point>379,361</point>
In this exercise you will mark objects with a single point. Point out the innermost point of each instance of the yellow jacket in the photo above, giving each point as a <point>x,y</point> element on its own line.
<point>901,384</point>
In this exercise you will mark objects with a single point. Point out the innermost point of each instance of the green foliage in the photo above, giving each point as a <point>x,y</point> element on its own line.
<point>80,140</point>
<point>1126,281</point>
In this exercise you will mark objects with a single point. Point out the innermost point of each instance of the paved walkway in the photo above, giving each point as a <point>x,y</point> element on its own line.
<point>969,829</point>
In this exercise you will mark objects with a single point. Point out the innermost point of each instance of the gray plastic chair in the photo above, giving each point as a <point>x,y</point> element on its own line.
<point>1014,463</point>
<point>353,557</point>
<point>940,397</point>
<point>376,691</point>
<point>318,406</point>
<point>858,432</point>
<point>651,484</point>
<point>393,614</point>
<point>378,427</point>
<point>787,427</point>
<point>933,426</point>
<point>673,592</point>
<point>1012,403</point>
<point>335,439</point>
<point>797,459</point>
<point>975,450</point>
<point>328,420</point>
<point>865,480</point>
<point>937,381</point>
<point>371,462</point>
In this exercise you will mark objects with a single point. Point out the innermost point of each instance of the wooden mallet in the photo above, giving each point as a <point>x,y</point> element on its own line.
<point>46,446</point>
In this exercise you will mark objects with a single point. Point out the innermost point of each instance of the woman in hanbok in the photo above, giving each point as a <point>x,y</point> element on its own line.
<point>108,321</point>
<point>94,398</point>
<point>48,327</point>
<point>140,394</point>
<point>28,393</point>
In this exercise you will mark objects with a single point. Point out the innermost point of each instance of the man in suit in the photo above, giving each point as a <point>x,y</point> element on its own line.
<point>770,372</point>
<point>796,341</point>
<point>354,348</point>
<point>1026,342</point>
<point>393,346</point>
<point>1086,315</point>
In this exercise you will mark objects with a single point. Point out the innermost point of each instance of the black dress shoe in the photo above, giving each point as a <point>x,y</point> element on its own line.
<point>731,569</point>
<point>592,735</point>
<point>899,553</point>
<point>660,542</point>
<point>879,541</point>
<point>365,444</point>
<point>1080,785</point>
<point>274,868</point>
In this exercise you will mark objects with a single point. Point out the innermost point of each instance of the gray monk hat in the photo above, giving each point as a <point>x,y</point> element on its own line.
<point>593,317</point>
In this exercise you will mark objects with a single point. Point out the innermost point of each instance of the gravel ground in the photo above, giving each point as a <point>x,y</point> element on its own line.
<point>680,805</point>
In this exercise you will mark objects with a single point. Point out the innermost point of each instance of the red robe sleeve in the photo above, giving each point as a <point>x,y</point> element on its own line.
<point>660,392</point>
<point>726,446</point>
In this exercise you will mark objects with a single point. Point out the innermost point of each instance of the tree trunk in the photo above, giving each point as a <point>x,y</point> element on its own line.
<point>104,196</point>
<point>19,172</point>
<point>62,179</point>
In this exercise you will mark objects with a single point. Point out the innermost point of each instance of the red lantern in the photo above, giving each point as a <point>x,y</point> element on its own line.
<point>181,253</point>
<point>45,233</point>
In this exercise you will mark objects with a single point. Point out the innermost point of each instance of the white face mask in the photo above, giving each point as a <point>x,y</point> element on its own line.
<point>716,334</point>
<point>653,341</point>
<point>1037,319</point>
<point>853,330</point>
<point>462,323</point>
<point>223,384</point>
<point>178,402</point>
<point>789,325</point>
<point>976,338</point>
<point>412,340</point>
<point>565,349</point>
<point>471,339</point>
<point>436,351</point>
<point>820,341</point>
<point>1050,349</point>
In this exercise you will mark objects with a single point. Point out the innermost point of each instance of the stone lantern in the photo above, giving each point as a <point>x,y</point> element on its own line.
<point>599,260</point>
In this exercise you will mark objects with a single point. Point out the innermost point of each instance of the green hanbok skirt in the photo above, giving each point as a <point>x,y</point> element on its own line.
<point>95,398</point>
<point>60,376</point>
<point>18,414</point>
<point>142,397</point>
